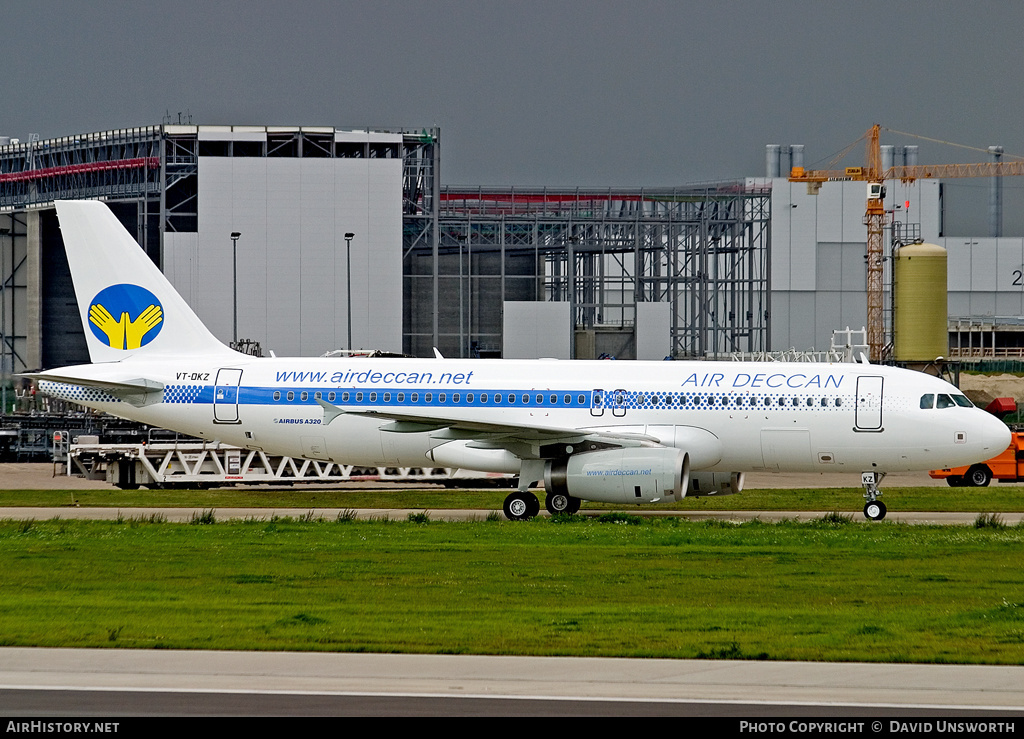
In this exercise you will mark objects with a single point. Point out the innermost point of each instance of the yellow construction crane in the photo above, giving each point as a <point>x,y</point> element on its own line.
<point>874,216</point>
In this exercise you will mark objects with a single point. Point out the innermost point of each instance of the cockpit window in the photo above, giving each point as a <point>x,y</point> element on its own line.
<point>928,400</point>
<point>963,401</point>
<point>944,401</point>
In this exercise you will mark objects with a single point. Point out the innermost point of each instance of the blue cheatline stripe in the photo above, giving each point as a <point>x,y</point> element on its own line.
<point>607,400</point>
<point>381,397</point>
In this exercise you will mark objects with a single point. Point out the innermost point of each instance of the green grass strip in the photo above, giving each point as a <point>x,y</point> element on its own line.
<point>614,586</point>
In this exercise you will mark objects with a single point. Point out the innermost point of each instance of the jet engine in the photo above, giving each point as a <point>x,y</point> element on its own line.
<point>714,483</point>
<point>636,475</point>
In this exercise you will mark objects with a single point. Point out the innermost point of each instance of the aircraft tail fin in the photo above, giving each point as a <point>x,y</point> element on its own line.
<point>127,306</point>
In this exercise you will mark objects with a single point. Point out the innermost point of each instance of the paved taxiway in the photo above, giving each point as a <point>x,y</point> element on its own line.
<point>270,682</point>
<point>184,515</point>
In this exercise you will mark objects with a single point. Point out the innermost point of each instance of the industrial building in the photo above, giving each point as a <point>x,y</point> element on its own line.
<point>309,239</point>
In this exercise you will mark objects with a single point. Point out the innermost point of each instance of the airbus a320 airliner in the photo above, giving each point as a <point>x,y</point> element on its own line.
<point>623,432</point>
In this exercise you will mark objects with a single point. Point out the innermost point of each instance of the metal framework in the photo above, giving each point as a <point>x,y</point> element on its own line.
<point>155,169</point>
<point>704,250</point>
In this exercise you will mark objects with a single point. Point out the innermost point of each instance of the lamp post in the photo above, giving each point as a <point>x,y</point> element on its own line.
<point>348,283</point>
<point>234,289</point>
<point>3,320</point>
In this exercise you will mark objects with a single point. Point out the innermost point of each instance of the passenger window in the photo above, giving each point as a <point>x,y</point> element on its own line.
<point>304,396</point>
<point>387,397</point>
<point>554,400</point>
<point>456,397</point>
<point>567,399</point>
<point>511,398</point>
<point>277,395</point>
<point>540,400</point>
<point>441,397</point>
<point>373,397</point>
<point>927,401</point>
<point>839,402</point>
<point>582,399</point>
<point>526,400</point>
<point>428,397</point>
<point>483,397</point>
<point>331,396</point>
<point>318,395</point>
<point>359,397</point>
<point>415,397</point>
<point>469,397</point>
<point>401,397</point>
<point>291,395</point>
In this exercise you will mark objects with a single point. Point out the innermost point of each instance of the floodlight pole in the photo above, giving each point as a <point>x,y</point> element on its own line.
<point>3,320</point>
<point>234,290</point>
<point>348,279</point>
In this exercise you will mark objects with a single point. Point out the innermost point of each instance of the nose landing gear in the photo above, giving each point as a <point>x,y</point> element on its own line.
<point>874,509</point>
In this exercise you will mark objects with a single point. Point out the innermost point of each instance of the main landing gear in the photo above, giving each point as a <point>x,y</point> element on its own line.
<point>561,503</point>
<point>523,505</point>
<point>874,509</point>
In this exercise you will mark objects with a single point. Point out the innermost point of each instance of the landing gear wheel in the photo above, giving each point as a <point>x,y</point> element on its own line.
<point>874,510</point>
<point>979,476</point>
<point>955,481</point>
<point>561,503</point>
<point>521,506</point>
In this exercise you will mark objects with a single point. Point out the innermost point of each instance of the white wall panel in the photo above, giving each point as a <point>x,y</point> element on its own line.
<point>293,214</point>
<point>983,265</point>
<point>533,330</point>
<point>958,263</point>
<point>653,330</point>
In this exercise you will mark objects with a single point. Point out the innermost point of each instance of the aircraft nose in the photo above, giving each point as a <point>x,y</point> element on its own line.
<point>995,434</point>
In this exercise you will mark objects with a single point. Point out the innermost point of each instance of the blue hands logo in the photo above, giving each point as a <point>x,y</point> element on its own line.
<point>125,316</point>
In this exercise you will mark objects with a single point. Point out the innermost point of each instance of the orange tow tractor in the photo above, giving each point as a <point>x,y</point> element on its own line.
<point>1007,466</point>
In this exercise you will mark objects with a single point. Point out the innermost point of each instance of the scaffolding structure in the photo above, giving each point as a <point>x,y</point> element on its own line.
<point>702,249</point>
<point>150,178</point>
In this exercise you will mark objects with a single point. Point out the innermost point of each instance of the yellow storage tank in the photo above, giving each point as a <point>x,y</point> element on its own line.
<point>920,332</point>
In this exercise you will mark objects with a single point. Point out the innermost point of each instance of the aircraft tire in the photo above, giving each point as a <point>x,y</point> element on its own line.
<point>874,510</point>
<point>561,503</point>
<point>955,481</point>
<point>520,506</point>
<point>979,476</point>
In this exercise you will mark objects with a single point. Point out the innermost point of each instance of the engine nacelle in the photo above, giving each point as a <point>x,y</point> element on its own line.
<point>638,475</point>
<point>714,483</point>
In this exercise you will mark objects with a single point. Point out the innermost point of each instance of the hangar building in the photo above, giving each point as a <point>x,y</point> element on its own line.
<point>748,265</point>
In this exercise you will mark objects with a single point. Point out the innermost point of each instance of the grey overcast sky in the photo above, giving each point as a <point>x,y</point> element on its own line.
<point>640,93</point>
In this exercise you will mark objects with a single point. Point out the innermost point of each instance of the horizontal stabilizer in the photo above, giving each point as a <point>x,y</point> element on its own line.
<point>137,392</point>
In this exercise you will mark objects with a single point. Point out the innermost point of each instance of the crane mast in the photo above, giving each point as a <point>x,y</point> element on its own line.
<point>874,214</point>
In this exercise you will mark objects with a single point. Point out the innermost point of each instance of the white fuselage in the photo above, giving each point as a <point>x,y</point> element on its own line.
<point>728,416</point>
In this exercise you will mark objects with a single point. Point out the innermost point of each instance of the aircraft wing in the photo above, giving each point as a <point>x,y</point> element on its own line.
<point>525,440</point>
